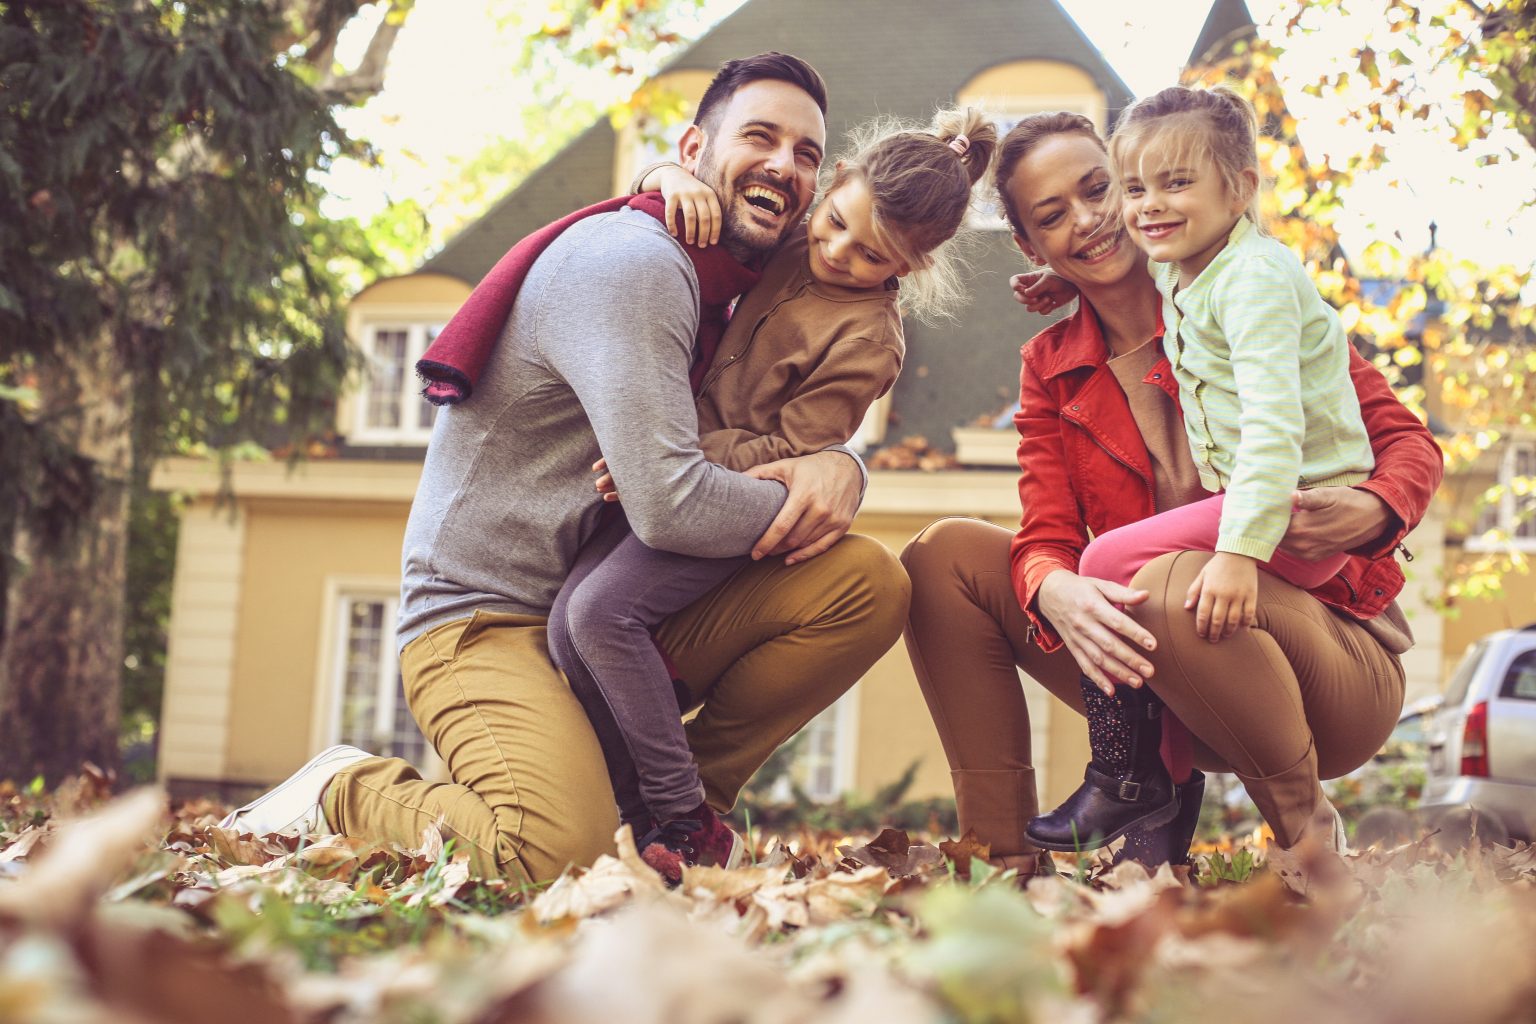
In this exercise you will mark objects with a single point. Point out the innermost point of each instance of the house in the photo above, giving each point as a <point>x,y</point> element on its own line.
<point>281,639</point>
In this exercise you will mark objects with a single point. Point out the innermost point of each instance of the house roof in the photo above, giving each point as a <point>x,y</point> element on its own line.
<point>879,57</point>
<point>1228,21</point>
<point>902,57</point>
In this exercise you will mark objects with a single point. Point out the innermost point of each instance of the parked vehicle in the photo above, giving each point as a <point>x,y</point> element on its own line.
<point>1482,739</point>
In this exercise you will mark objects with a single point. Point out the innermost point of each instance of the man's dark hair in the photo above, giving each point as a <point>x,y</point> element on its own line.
<point>734,74</point>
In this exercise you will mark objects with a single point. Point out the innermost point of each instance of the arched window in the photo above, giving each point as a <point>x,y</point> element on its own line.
<point>1010,92</point>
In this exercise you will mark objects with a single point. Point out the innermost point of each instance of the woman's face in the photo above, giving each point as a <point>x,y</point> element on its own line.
<point>1070,210</point>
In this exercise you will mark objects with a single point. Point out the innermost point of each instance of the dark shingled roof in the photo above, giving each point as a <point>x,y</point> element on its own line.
<point>901,57</point>
<point>1228,22</point>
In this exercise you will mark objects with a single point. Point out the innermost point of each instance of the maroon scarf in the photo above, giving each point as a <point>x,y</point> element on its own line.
<point>454,361</point>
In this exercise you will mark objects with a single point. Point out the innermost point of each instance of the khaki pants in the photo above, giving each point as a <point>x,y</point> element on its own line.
<point>1306,694</point>
<point>762,654</point>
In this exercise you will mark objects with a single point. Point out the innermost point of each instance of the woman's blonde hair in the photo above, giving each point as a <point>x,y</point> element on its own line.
<point>1215,124</point>
<point>920,184</point>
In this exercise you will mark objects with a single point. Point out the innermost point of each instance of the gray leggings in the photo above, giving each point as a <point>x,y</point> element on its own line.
<point>600,637</point>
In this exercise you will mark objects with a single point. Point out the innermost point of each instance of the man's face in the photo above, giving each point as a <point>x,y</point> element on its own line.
<point>760,156</point>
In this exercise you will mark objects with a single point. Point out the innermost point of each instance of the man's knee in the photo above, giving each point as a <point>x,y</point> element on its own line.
<point>542,859</point>
<point>875,581</point>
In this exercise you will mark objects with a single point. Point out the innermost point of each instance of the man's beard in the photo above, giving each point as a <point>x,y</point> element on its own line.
<point>743,240</point>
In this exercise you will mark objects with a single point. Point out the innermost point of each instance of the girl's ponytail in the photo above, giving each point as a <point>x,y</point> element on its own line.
<point>976,137</point>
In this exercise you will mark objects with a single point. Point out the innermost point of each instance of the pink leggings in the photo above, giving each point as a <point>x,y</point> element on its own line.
<point>1119,554</point>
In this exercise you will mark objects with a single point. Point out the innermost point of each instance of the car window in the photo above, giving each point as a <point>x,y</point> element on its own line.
<point>1456,689</point>
<point>1520,680</point>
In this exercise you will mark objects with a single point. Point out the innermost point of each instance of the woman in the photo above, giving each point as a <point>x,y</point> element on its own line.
<point>1310,692</point>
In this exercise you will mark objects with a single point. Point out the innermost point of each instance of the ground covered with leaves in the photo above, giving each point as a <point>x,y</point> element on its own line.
<point>121,910</point>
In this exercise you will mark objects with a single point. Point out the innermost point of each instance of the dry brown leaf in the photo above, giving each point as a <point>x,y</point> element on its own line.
<point>60,888</point>
<point>894,851</point>
<point>960,852</point>
<point>609,883</point>
<point>1109,955</point>
<point>21,847</point>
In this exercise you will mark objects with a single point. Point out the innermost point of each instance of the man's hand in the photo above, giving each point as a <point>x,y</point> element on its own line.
<point>1328,520</point>
<point>1102,638</point>
<point>823,497</point>
<point>1225,596</point>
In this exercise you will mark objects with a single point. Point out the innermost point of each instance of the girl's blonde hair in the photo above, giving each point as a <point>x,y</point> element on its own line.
<point>1215,124</point>
<point>920,185</point>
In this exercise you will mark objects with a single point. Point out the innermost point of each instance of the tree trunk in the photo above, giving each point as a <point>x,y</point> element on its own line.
<point>61,653</point>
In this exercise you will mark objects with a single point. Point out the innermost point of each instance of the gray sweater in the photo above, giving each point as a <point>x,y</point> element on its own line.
<point>593,363</point>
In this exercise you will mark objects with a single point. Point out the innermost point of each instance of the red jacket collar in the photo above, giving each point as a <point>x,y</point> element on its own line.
<point>1076,343</point>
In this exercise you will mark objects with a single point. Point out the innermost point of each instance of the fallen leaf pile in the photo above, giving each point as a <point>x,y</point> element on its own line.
<point>133,914</point>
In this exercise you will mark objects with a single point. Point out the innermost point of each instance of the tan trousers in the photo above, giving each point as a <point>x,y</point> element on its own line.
<point>762,654</point>
<point>1306,694</point>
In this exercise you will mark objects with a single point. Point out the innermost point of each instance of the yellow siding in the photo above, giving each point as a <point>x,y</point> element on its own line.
<point>1029,78</point>
<point>199,672</point>
<point>1514,607</point>
<point>292,549</point>
<point>411,290</point>
<point>894,728</point>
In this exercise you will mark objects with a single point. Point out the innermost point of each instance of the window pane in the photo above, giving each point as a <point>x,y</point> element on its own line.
<point>386,378</point>
<point>1520,680</point>
<point>817,761</point>
<point>360,684</point>
<point>1523,487</point>
<point>370,650</point>
<point>426,412</point>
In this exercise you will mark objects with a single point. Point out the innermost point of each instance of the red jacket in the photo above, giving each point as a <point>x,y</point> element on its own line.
<point>1084,468</point>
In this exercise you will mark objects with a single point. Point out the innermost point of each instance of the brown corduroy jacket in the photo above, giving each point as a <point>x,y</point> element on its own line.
<point>799,364</point>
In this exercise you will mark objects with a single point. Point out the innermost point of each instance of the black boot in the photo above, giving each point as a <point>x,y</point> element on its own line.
<point>1125,785</point>
<point>1168,844</point>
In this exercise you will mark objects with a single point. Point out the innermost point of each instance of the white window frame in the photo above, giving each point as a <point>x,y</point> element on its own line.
<point>1504,513</point>
<point>331,664</point>
<point>843,719</point>
<point>419,333</point>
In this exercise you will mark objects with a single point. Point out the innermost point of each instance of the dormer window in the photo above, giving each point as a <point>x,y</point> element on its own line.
<point>1008,93</point>
<point>389,407</point>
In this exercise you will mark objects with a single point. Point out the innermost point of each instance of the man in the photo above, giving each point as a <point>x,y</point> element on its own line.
<point>594,363</point>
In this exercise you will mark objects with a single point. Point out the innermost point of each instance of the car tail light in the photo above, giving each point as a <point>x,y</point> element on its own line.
<point>1474,742</point>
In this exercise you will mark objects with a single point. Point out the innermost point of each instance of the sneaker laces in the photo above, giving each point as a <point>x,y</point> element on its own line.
<point>676,835</point>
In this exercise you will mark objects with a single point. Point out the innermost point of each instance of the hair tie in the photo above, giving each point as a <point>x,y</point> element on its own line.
<point>960,144</point>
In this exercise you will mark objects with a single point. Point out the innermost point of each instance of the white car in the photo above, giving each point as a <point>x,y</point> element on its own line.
<point>1482,739</point>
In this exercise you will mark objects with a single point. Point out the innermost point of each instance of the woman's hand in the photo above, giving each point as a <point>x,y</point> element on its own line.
<point>1041,291</point>
<point>1102,638</point>
<point>1225,596</point>
<point>692,198</point>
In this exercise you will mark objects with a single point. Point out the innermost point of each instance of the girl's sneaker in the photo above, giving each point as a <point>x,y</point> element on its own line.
<point>700,839</point>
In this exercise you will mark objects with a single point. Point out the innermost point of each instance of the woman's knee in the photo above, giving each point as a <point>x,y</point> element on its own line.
<point>1166,579</point>
<point>941,545</point>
